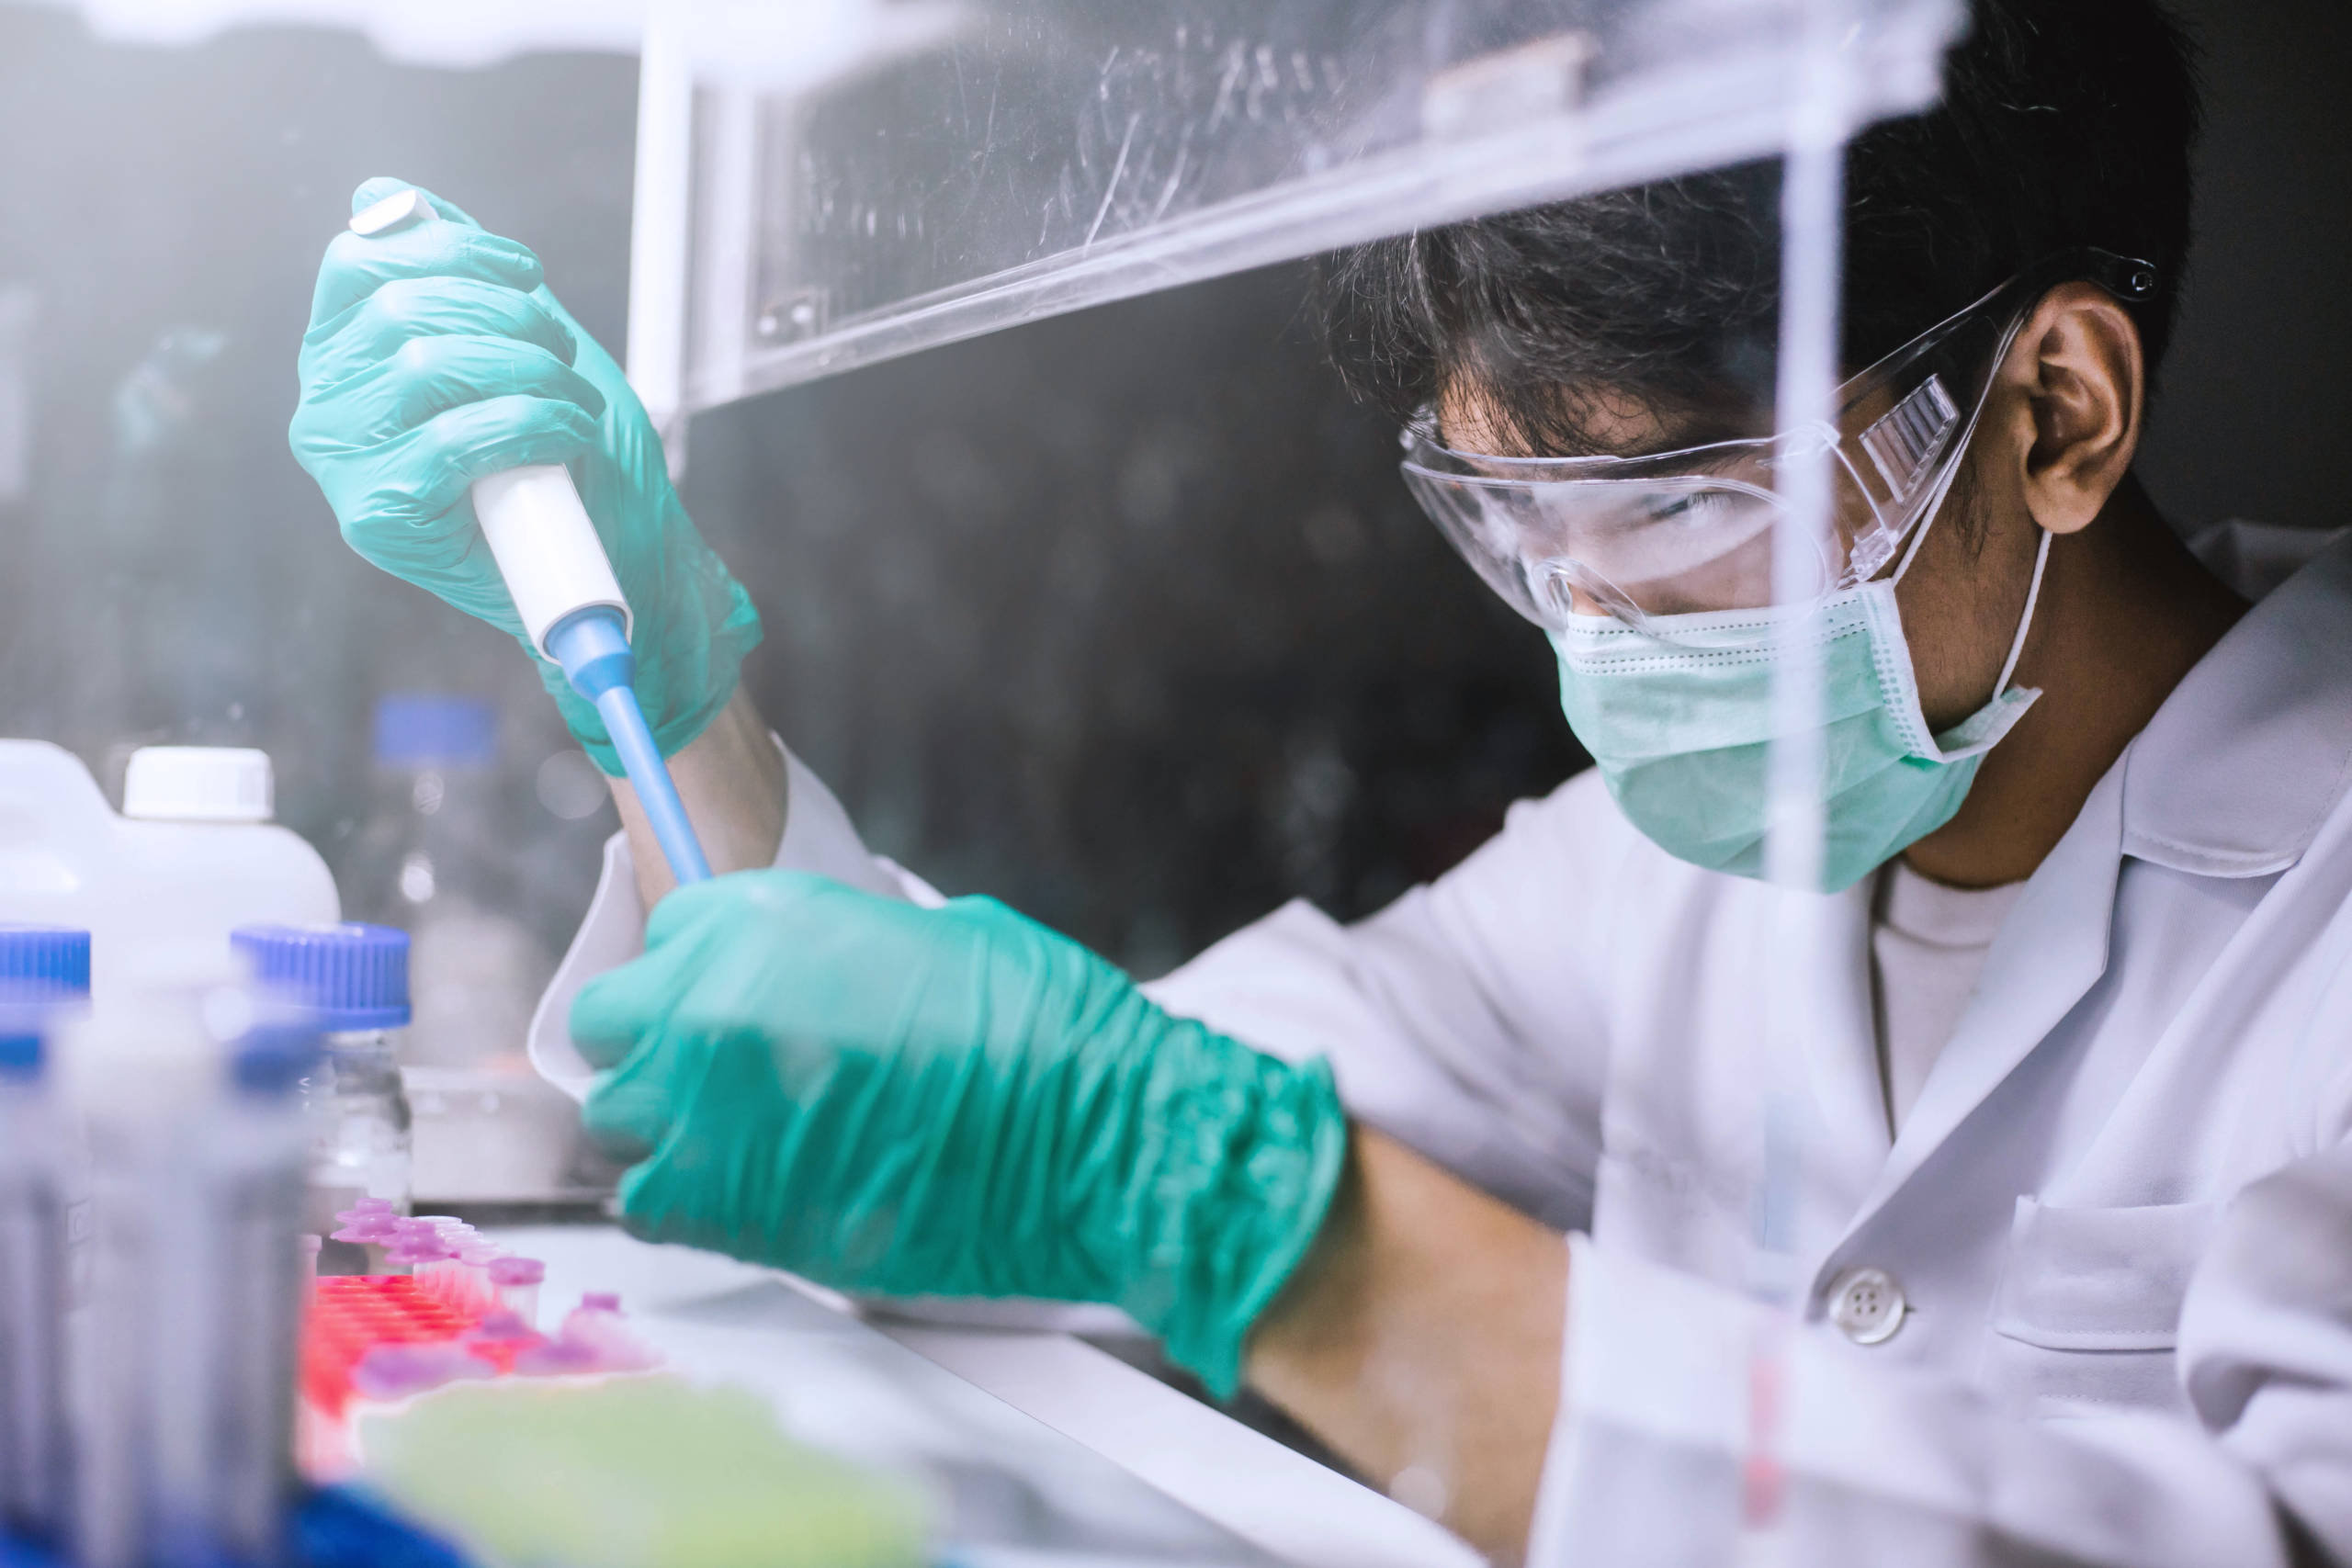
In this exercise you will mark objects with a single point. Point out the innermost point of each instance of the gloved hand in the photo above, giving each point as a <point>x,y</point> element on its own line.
<point>951,1102</point>
<point>436,355</point>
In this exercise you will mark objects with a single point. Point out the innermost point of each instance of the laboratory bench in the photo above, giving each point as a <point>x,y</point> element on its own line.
<point>1042,1448</point>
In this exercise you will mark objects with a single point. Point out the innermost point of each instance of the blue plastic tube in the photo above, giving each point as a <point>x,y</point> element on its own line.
<point>594,653</point>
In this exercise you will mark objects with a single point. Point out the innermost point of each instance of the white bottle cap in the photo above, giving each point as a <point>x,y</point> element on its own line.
<point>198,783</point>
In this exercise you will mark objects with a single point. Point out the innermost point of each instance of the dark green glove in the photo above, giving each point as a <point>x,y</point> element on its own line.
<point>952,1101</point>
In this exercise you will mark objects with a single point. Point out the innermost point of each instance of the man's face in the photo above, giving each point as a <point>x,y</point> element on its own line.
<point>1960,599</point>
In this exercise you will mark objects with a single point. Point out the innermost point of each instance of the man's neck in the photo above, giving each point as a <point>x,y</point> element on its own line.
<point>2125,613</point>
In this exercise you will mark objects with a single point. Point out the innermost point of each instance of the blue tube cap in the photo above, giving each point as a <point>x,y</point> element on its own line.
<point>55,956</point>
<point>30,1011</point>
<point>347,978</point>
<point>424,729</point>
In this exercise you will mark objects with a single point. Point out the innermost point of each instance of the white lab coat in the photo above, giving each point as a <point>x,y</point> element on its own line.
<point>2120,1212</point>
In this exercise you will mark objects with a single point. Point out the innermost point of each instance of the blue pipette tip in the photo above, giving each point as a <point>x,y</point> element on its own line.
<point>593,650</point>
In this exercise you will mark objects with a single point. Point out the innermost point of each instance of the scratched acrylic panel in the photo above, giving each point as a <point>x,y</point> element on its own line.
<point>889,174</point>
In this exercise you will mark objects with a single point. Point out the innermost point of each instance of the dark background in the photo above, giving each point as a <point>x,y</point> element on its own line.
<point>1124,617</point>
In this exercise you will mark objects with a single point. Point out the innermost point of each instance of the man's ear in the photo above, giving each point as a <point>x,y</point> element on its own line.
<point>2075,381</point>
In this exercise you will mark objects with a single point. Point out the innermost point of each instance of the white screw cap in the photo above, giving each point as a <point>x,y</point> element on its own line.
<point>198,783</point>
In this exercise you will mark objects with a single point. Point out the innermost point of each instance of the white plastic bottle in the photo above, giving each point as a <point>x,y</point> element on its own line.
<point>193,855</point>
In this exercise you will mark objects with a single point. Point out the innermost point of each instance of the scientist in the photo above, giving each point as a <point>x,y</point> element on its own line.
<point>1470,1186</point>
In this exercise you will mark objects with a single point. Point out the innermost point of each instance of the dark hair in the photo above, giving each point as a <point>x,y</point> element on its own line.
<point>2065,123</point>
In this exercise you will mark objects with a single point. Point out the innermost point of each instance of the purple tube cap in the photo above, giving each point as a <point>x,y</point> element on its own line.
<point>560,1357</point>
<point>504,1328</point>
<point>410,1254</point>
<point>601,1300</point>
<point>395,1372</point>
<point>512,1271</point>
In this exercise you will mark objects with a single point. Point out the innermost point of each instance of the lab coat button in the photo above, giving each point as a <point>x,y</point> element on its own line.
<point>1867,1305</point>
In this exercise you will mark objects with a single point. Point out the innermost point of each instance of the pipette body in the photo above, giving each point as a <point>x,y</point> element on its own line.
<point>571,606</point>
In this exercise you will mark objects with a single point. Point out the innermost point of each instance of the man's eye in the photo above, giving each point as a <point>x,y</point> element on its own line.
<point>1689,508</point>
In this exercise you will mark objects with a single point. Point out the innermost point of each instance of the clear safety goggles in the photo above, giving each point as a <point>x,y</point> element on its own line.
<point>1676,533</point>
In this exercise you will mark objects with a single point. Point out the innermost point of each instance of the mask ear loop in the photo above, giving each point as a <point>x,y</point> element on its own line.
<point>2025,622</point>
<point>1935,508</point>
<point>2032,593</point>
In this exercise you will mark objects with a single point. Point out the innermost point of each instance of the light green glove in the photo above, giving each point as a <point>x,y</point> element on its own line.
<point>436,355</point>
<point>951,1102</point>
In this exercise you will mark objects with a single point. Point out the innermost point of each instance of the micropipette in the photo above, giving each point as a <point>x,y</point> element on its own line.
<point>570,604</point>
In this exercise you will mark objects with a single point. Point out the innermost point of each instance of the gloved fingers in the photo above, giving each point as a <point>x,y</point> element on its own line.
<point>423,474</point>
<point>616,1010</point>
<point>409,308</point>
<point>413,491</point>
<point>453,449</point>
<point>450,372</point>
<point>629,1111</point>
<point>357,265</point>
<point>694,943</point>
<point>642,1216</point>
<point>639,1106</point>
<point>724,1173</point>
<point>444,553</point>
<point>430,377</point>
<point>728,953</point>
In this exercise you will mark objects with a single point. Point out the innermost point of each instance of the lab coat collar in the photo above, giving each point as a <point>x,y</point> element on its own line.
<point>2241,764</point>
<point>2051,951</point>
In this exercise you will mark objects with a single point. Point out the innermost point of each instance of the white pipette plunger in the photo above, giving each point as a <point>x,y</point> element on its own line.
<point>571,606</point>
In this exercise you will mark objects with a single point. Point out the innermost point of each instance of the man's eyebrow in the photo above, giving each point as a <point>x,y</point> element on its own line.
<point>1700,431</point>
<point>1642,429</point>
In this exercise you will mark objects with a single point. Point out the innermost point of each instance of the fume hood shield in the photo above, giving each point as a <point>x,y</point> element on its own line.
<point>837,182</point>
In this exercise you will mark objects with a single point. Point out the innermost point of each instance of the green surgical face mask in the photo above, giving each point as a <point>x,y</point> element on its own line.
<point>1679,720</point>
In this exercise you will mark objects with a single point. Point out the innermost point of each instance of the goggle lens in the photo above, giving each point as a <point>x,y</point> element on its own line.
<point>1691,532</point>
